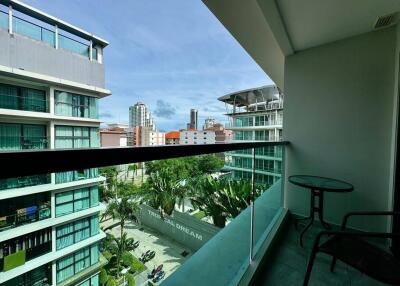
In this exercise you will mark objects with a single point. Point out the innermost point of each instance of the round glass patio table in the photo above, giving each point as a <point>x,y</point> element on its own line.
<point>317,186</point>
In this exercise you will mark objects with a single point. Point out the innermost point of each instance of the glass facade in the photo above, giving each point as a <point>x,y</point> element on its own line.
<point>76,231</point>
<point>75,105</point>
<point>94,54</point>
<point>22,98</point>
<point>76,200</point>
<point>243,135</point>
<point>77,262</point>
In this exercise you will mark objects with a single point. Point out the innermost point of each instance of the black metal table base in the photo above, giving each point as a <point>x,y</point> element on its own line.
<point>314,209</point>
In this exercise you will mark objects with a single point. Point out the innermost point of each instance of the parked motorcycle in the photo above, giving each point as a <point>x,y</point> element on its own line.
<point>159,275</point>
<point>155,271</point>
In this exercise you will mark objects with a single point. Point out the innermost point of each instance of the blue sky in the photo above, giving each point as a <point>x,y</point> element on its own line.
<point>171,54</point>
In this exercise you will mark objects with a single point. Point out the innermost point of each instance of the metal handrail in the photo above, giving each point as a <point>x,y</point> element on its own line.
<point>33,162</point>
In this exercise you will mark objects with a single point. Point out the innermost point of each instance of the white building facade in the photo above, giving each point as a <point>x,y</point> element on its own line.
<point>255,115</point>
<point>188,137</point>
<point>140,115</point>
<point>49,224</point>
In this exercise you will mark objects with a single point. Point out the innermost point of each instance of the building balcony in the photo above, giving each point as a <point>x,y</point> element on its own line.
<point>60,50</point>
<point>240,252</point>
<point>22,216</point>
<point>17,251</point>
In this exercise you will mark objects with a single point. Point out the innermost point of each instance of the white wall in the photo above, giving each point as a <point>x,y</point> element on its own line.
<point>338,118</point>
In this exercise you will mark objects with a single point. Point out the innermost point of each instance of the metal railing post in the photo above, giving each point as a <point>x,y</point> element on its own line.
<point>10,22</point>
<point>252,205</point>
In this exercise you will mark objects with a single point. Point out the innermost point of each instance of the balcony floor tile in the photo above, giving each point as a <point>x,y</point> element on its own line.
<point>287,264</point>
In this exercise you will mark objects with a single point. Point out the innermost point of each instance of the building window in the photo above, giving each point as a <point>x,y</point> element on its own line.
<point>77,262</point>
<point>76,105</point>
<point>70,176</point>
<point>76,137</point>
<point>22,98</point>
<point>76,200</point>
<point>94,54</point>
<point>92,281</point>
<point>76,231</point>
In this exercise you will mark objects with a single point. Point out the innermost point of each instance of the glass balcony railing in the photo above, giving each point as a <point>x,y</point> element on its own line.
<point>185,194</point>
<point>25,216</point>
<point>72,45</point>
<point>3,20</point>
<point>23,27</point>
<point>22,182</point>
<point>26,103</point>
<point>23,143</point>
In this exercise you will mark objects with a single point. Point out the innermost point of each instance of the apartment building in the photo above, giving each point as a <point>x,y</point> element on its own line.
<point>51,79</point>
<point>172,138</point>
<point>255,115</point>
<point>189,137</point>
<point>150,137</point>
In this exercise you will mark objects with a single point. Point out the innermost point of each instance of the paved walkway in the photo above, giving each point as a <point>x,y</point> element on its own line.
<point>168,252</point>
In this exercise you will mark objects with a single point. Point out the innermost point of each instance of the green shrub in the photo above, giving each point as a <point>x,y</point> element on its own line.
<point>199,215</point>
<point>103,277</point>
<point>130,279</point>
<point>110,282</point>
<point>107,255</point>
<point>127,259</point>
<point>136,266</point>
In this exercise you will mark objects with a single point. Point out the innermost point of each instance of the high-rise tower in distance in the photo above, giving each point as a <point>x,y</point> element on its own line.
<point>193,118</point>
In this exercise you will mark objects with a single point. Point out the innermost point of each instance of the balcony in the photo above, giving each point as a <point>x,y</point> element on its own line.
<point>14,213</point>
<point>16,252</point>
<point>70,53</point>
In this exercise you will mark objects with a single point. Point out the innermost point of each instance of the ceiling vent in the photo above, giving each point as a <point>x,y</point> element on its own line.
<point>386,21</point>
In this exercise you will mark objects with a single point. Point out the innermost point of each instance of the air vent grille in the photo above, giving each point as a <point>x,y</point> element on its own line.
<point>385,21</point>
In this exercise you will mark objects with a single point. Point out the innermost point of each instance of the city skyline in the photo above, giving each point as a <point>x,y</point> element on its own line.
<point>193,63</point>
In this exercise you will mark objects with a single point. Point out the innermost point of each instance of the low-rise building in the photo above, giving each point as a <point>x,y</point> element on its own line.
<point>113,137</point>
<point>172,138</point>
<point>149,137</point>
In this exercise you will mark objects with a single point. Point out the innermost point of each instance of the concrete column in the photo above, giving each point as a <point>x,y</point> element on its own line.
<point>99,54</point>
<point>51,100</point>
<point>91,50</point>
<point>56,36</point>
<point>10,17</point>
<point>54,273</point>
<point>53,204</point>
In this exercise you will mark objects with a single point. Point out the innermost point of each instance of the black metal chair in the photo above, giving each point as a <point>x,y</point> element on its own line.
<point>351,248</point>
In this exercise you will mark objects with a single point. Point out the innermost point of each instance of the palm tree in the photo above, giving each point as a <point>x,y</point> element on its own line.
<point>119,246</point>
<point>220,198</point>
<point>133,168</point>
<point>161,191</point>
<point>122,209</point>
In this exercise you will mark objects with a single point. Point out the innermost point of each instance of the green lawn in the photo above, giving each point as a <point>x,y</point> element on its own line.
<point>199,215</point>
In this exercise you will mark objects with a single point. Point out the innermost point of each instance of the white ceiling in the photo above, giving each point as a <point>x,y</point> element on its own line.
<point>311,23</point>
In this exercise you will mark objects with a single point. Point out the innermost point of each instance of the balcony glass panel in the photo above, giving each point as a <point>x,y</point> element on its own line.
<point>40,276</point>
<point>24,210</point>
<point>22,136</point>
<point>3,20</point>
<point>21,98</point>
<point>72,45</point>
<point>31,30</point>
<point>21,182</point>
